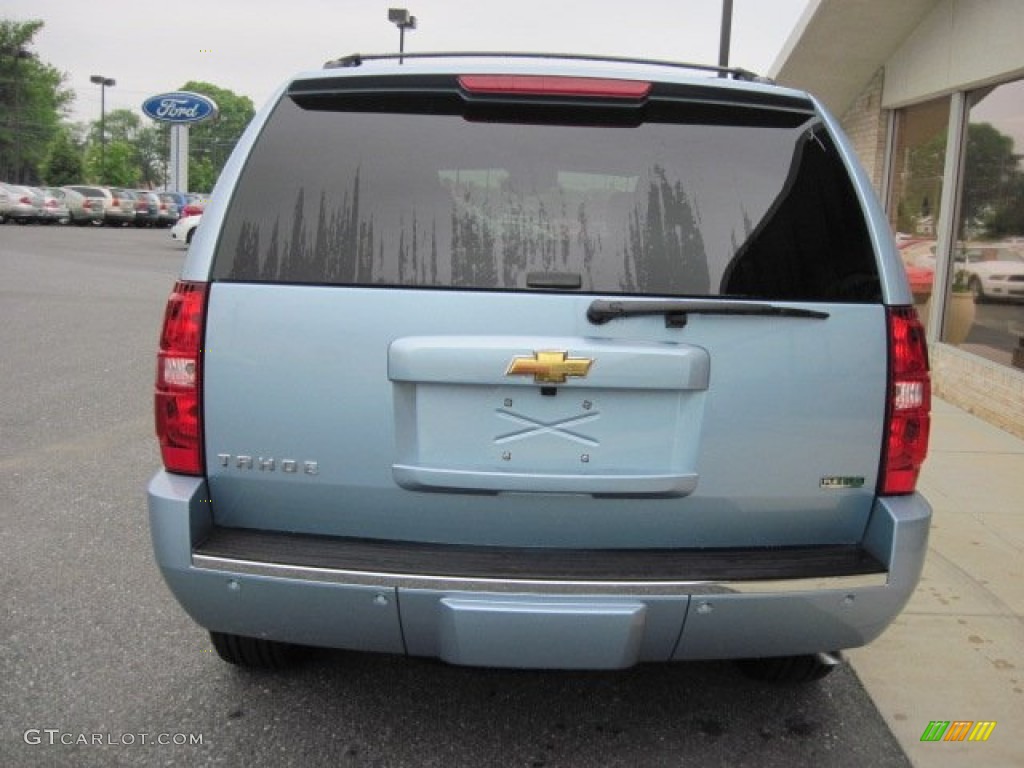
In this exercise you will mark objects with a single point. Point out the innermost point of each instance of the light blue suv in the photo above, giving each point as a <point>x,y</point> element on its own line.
<point>544,362</point>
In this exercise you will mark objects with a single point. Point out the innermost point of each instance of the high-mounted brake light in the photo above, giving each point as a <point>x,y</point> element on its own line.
<point>179,425</point>
<point>908,406</point>
<point>542,85</point>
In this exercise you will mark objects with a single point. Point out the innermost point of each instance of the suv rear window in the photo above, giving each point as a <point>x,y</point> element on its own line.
<point>351,194</point>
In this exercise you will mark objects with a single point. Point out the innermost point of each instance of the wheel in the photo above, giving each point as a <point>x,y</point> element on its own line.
<point>977,290</point>
<point>188,237</point>
<point>23,222</point>
<point>790,669</point>
<point>253,652</point>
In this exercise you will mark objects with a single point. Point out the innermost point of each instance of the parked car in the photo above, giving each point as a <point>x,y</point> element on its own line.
<point>918,256</point>
<point>179,200</point>
<point>55,210</point>
<point>6,201</point>
<point>118,209</point>
<point>82,210</point>
<point>995,272</point>
<point>147,208</point>
<point>169,212</point>
<point>194,204</point>
<point>184,229</point>
<point>20,204</point>
<point>572,364</point>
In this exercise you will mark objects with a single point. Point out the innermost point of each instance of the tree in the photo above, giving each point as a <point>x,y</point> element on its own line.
<point>64,162</point>
<point>116,165</point>
<point>134,153</point>
<point>32,103</point>
<point>210,143</point>
<point>992,181</point>
<point>1006,218</point>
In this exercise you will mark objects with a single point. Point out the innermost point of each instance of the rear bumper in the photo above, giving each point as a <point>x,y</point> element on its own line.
<point>21,214</point>
<point>488,612</point>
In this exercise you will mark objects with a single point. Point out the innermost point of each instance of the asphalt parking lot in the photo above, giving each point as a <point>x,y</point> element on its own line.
<point>101,667</point>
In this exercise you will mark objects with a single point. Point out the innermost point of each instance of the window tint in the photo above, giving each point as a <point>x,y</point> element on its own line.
<point>425,200</point>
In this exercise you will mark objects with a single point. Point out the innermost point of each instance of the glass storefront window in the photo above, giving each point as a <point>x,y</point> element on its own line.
<point>988,259</point>
<point>915,189</point>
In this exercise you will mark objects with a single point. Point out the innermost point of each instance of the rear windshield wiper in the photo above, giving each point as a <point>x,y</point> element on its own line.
<point>675,312</point>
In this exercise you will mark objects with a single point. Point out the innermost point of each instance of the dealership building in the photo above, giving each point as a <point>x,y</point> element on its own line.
<point>931,93</point>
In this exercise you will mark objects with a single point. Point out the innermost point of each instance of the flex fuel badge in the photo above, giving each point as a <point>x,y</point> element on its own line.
<point>838,483</point>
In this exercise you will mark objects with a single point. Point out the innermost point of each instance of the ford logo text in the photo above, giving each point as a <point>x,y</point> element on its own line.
<point>180,107</point>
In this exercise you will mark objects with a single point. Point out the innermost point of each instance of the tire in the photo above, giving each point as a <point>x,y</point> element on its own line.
<point>188,237</point>
<point>790,669</point>
<point>23,222</point>
<point>977,290</point>
<point>253,652</point>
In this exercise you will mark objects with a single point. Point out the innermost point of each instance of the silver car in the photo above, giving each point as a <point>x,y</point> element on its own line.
<point>118,210</point>
<point>542,362</point>
<point>168,210</point>
<point>82,210</point>
<point>20,204</point>
<point>55,210</point>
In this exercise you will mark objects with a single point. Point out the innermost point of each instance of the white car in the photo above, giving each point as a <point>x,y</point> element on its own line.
<point>995,273</point>
<point>186,227</point>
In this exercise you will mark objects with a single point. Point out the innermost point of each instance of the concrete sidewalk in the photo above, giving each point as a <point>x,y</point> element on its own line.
<point>957,651</point>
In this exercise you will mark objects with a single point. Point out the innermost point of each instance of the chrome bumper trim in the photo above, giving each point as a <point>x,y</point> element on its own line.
<point>458,584</point>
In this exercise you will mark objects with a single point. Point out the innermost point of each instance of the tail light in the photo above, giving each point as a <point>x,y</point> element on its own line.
<point>908,407</point>
<point>179,426</point>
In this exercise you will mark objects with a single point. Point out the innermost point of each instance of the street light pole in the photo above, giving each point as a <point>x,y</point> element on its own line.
<point>18,56</point>
<point>400,17</point>
<point>726,35</point>
<point>103,82</point>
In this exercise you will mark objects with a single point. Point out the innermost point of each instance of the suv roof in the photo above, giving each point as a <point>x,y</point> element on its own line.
<point>358,59</point>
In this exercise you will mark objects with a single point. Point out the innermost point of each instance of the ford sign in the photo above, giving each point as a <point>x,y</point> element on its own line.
<point>180,107</point>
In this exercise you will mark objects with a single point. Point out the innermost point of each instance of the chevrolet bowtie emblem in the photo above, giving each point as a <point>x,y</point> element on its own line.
<point>549,367</point>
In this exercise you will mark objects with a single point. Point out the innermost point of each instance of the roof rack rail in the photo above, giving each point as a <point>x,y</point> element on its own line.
<point>357,59</point>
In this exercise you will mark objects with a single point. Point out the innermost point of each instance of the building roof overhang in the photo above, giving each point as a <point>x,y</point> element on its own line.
<point>837,46</point>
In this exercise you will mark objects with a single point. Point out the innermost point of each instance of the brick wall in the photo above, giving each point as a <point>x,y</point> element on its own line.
<point>991,391</point>
<point>865,122</point>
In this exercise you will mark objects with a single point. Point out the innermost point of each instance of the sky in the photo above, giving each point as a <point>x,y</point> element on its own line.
<point>252,46</point>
